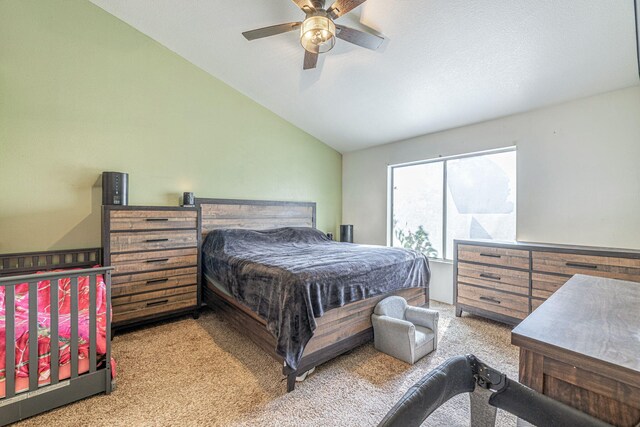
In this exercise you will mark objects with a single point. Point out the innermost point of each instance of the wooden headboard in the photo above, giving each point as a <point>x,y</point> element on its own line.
<point>253,214</point>
<point>31,262</point>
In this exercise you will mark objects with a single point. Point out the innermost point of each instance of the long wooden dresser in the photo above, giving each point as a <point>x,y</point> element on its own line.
<point>155,255</point>
<point>505,281</point>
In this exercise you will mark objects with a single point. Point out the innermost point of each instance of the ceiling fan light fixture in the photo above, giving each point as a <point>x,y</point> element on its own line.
<point>317,34</point>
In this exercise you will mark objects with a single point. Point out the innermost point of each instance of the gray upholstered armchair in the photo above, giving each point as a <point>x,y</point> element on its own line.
<point>402,331</point>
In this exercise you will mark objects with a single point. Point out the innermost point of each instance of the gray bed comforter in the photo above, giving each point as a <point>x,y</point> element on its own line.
<point>291,276</point>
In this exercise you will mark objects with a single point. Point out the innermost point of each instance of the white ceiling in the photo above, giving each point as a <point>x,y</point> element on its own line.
<point>445,63</point>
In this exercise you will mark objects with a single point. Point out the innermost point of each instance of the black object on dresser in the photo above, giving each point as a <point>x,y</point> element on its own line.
<point>505,281</point>
<point>346,233</point>
<point>155,254</point>
<point>115,188</point>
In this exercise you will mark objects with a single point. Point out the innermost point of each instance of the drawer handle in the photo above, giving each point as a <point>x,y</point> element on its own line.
<point>491,299</point>
<point>158,260</point>
<point>154,303</point>
<point>157,219</point>
<point>489,276</point>
<point>150,282</point>
<point>581,265</point>
<point>491,255</point>
<point>156,240</point>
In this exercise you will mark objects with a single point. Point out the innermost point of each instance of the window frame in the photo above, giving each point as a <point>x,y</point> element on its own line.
<point>443,160</point>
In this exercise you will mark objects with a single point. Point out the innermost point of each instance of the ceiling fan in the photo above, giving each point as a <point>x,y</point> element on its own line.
<point>318,31</point>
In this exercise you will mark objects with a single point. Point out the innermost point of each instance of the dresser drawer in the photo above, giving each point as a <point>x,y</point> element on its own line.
<point>153,296</point>
<point>494,277</point>
<point>147,261</point>
<point>152,240</point>
<point>154,307</point>
<point>127,220</point>
<point>544,285</point>
<point>516,258</point>
<point>153,275</point>
<point>570,264</point>
<point>157,284</point>
<point>491,300</point>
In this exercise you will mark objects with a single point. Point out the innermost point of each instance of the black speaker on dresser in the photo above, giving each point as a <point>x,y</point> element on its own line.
<point>115,188</point>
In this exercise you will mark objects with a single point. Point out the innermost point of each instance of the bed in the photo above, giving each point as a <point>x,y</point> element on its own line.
<point>75,319</point>
<point>255,255</point>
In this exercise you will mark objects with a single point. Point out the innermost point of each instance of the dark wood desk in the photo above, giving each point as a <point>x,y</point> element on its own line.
<point>582,347</point>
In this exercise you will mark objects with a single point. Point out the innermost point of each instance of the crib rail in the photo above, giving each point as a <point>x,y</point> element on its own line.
<point>56,399</point>
<point>30,262</point>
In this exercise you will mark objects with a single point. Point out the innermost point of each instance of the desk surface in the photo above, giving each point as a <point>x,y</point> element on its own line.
<point>589,317</point>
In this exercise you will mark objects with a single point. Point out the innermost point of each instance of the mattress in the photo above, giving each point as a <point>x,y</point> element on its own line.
<point>22,356</point>
<point>291,276</point>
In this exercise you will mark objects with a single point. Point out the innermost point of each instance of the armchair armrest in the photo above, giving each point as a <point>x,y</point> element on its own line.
<point>395,326</point>
<point>423,317</point>
<point>393,336</point>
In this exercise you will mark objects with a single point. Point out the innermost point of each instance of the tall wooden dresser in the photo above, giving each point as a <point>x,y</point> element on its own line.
<point>505,281</point>
<point>155,255</point>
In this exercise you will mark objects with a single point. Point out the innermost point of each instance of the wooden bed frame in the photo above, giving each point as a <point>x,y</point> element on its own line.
<point>21,268</point>
<point>338,331</point>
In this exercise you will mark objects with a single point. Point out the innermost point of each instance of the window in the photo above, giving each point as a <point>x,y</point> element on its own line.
<point>471,196</point>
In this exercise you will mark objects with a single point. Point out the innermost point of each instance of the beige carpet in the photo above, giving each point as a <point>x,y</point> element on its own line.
<point>202,372</point>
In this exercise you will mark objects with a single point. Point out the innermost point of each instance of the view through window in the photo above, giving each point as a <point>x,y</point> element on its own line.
<point>462,197</point>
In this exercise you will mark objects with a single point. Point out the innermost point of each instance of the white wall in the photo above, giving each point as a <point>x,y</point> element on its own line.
<point>578,174</point>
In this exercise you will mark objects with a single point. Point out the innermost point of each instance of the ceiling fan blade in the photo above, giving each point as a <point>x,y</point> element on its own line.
<point>271,31</point>
<point>340,7</point>
<point>310,60</point>
<point>305,5</point>
<point>357,37</point>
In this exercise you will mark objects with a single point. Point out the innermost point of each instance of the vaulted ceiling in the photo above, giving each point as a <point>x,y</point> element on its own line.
<point>444,64</point>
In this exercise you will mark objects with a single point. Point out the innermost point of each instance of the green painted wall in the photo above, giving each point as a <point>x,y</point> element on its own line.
<point>82,92</point>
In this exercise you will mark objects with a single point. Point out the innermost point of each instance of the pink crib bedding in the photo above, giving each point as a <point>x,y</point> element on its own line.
<point>22,356</point>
